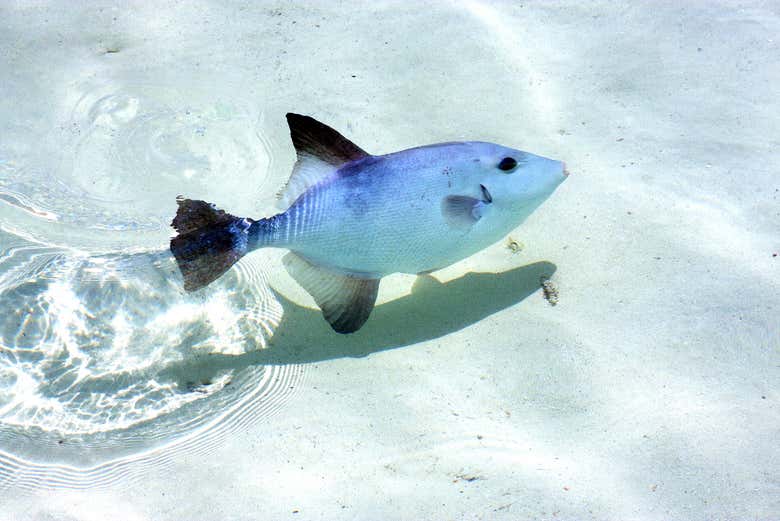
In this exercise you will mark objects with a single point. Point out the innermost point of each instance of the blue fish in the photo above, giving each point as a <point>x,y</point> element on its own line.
<point>351,217</point>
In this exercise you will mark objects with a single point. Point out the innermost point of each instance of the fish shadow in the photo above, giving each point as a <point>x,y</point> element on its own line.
<point>432,310</point>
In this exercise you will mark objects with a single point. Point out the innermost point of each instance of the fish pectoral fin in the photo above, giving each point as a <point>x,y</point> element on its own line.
<point>346,301</point>
<point>462,211</point>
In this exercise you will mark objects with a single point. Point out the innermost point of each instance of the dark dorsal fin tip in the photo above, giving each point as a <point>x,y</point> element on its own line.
<point>309,136</point>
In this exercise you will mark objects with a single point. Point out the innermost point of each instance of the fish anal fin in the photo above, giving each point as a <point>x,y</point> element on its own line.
<point>346,301</point>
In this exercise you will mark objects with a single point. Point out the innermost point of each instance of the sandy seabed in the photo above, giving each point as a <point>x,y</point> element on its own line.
<point>650,391</point>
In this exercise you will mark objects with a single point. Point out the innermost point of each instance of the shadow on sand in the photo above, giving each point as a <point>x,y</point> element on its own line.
<point>432,310</point>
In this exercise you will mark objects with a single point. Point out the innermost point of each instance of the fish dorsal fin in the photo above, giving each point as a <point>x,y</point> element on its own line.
<point>346,301</point>
<point>311,137</point>
<point>321,151</point>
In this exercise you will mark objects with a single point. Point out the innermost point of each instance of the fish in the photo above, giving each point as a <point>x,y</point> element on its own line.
<point>351,218</point>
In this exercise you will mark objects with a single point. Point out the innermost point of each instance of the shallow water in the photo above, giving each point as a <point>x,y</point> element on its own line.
<point>648,392</point>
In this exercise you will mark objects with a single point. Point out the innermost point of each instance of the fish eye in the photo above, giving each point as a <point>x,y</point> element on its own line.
<point>507,164</point>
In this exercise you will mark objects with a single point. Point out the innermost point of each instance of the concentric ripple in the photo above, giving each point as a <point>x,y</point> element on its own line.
<point>268,395</point>
<point>112,165</point>
<point>104,360</point>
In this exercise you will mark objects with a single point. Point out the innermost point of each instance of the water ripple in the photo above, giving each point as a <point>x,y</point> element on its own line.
<point>104,363</point>
<point>116,159</point>
<point>104,360</point>
<point>277,385</point>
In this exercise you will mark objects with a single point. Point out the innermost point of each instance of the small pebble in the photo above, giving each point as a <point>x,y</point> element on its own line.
<point>550,291</point>
<point>514,246</point>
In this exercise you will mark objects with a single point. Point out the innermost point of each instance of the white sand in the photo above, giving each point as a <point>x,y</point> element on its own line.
<point>649,392</point>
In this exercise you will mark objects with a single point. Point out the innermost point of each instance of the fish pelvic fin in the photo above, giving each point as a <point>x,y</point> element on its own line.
<point>320,151</point>
<point>208,243</point>
<point>346,301</point>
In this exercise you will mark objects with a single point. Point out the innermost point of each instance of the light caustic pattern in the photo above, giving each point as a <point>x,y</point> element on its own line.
<point>104,360</point>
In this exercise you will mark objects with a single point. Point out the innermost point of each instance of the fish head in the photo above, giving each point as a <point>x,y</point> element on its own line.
<point>515,181</point>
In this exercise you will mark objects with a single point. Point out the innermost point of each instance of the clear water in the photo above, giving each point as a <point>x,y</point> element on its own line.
<point>649,391</point>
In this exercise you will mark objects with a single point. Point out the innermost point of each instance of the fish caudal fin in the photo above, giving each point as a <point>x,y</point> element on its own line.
<point>346,301</point>
<point>209,242</point>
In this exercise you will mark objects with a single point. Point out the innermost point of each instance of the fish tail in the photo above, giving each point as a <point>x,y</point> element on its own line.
<point>209,241</point>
